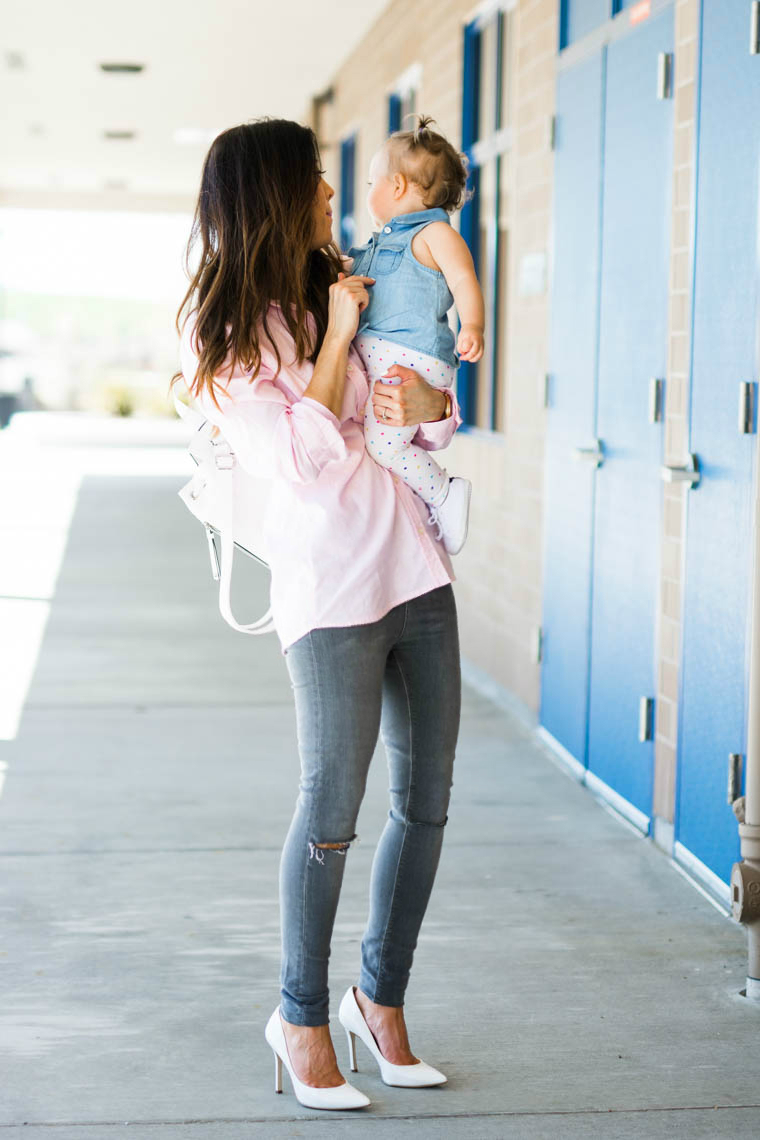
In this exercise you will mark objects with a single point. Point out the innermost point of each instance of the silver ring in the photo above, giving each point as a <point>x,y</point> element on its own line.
<point>385,415</point>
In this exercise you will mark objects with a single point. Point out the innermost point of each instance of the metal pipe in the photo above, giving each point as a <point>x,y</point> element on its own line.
<point>745,876</point>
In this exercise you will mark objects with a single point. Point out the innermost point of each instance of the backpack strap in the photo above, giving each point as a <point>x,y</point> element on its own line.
<point>187,413</point>
<point>221,566</point>
<point>264,624</point>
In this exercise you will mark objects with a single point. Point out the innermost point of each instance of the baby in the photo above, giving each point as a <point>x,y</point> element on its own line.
<point>421,267</point>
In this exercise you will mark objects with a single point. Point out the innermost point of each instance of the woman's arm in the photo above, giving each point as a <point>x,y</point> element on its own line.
<point>413,401</point>
<point>431,436</point>
<point>348,297</point>
<point>270,433</point>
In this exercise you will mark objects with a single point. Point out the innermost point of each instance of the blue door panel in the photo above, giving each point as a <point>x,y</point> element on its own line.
<point>581,17</point>
<point>569,485</point>
<point>719,511</point>
<point>632,350</point>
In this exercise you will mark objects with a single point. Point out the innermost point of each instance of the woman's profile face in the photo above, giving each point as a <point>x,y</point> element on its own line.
<point>322,215</point>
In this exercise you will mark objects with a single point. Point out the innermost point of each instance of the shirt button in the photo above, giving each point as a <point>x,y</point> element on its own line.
<point>387,230</point>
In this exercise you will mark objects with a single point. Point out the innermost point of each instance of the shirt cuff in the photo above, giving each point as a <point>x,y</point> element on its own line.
<point>319,432</point>
<point>438,434</point>
<point>322,409</point>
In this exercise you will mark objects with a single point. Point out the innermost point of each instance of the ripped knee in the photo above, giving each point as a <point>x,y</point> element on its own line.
<point>317,850</point>
<point>413,821</point>
<point>428,822</point>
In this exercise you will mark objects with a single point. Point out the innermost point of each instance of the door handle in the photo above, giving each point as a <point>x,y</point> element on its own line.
<point>593,454</point>
<point>686,473</point>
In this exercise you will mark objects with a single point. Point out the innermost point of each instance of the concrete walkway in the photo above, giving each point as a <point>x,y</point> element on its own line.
<point>569,981</point>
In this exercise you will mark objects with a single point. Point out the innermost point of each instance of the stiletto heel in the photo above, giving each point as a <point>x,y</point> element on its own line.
<point>352,1051</point>
<point>419,1075</point>
<point>310,1096</point>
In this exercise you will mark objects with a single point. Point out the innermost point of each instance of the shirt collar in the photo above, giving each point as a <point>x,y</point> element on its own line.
<point>403,221</point>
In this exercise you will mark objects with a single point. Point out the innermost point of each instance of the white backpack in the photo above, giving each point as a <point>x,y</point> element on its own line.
<point>230,503</point>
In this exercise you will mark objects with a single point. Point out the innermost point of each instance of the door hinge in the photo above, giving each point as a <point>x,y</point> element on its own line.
<point>544,388</point>
<point>552,131</point>
<point>747,405</point>
<point>664,75</point>
<point>646,719</point>
<point>735,764</point>
<point>656,403</point>
<point>754,28</point>
<point>538,645</point>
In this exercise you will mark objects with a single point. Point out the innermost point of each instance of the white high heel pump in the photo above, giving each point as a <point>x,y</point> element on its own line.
<point>339,1096</point>
<point>415,1076</point>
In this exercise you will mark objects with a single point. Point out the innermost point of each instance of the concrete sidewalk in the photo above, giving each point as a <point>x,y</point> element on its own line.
<point>568,980</point>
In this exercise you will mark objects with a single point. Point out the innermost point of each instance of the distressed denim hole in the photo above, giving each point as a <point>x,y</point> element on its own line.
<point>317,850</point>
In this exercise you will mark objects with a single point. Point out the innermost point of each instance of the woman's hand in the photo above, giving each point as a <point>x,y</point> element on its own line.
<point>348,297</point>
<point>413,401</point>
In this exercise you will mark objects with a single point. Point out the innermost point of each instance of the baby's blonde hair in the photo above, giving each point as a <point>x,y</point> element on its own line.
<point>428,159</point>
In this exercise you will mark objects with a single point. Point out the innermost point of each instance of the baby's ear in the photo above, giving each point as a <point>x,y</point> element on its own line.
<point>399,184</point>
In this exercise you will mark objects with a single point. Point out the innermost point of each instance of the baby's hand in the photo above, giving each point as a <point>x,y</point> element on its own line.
<point>470,343</point>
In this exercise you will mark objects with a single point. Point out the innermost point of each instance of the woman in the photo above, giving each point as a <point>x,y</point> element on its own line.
<point>361,588</point>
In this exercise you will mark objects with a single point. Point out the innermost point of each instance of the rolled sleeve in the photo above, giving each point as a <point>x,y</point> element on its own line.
<point>439,433</point>
<point>272,435</point>
<point>309,433</point>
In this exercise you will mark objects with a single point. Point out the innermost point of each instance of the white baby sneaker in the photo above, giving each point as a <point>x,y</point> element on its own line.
<point>452,516</point>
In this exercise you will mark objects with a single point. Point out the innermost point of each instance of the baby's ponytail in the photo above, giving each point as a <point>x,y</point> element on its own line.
<point>423,122</point>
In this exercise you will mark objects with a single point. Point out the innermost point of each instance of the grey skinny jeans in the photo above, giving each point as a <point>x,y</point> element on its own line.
<point>399,675</point>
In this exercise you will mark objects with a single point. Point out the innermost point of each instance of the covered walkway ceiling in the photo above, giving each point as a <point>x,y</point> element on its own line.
<point>206,66</point>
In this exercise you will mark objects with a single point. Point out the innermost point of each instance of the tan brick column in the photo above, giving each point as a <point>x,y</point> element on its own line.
<point>676,408</point>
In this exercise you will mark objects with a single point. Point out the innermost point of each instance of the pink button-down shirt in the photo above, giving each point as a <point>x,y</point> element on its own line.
<point>346,539</point>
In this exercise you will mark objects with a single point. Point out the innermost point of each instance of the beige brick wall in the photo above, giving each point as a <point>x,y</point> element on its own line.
<point>498,586</point>
<point>676,407</point>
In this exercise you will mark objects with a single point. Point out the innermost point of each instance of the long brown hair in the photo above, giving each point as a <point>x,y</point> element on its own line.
<point>254,225</point>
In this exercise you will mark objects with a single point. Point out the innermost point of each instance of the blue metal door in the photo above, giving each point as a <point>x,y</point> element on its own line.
<point>608,342</point>
<point>719,510</point>
<point>573,348</point>
<point>638,150</point>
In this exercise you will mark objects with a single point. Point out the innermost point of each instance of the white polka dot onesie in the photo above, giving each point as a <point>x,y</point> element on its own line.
<point>392,446</point>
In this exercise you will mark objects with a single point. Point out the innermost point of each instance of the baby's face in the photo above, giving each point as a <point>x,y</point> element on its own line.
<point>380,200</point>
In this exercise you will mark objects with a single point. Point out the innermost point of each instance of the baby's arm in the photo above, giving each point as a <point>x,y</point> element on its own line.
<point>449,251</point>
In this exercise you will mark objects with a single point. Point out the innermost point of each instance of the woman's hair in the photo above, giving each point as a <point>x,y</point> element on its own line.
<point>251,243</point>
<point>427,158</point>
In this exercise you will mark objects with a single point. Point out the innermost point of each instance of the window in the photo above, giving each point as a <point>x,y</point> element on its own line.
<point>403,98</point>
<point>347,192</point>
<point>486,140</point>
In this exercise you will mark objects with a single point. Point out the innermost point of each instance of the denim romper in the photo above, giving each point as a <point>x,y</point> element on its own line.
<point>408,302</point>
